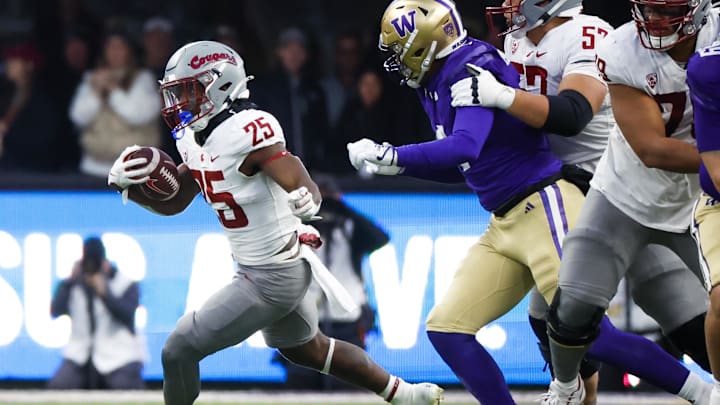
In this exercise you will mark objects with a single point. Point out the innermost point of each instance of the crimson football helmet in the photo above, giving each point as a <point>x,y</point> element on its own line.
<point>525,15</point>
<point>662,24</point>
<point>201,80</point>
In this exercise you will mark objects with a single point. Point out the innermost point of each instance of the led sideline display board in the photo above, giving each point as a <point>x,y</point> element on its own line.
<point>181,260</point>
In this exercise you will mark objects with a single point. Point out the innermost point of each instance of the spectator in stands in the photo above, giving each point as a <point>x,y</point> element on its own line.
<point>375,111</point>
<point>78,57</point>
<point>296,99</point>
<point>340,85</point>
<point>348,237</point>
<point>368,112</point>
<point>228,35</point>
<point>29,125</point>
<point>68,35</point>
<point>104,350</point>
<point>116,105</point>
<point>158,44</point>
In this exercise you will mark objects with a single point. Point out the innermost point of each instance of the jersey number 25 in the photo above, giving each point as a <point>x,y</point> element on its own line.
<point>231,217</point>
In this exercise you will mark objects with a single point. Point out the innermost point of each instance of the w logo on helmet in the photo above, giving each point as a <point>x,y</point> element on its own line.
<point>405,24</point>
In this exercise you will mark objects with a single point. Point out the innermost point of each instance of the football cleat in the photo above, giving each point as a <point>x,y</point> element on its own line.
<point>422,394</point>
<point>558,395</point>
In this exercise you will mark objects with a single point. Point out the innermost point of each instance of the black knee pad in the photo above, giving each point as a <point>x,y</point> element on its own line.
<point>690,339</point>
<point>572,322</point>
<point>539,327</point>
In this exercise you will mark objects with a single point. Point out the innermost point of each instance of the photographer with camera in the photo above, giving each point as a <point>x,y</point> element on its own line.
<point>104,350</point>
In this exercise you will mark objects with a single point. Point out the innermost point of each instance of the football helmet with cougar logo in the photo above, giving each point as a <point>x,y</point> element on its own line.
<point>662,24</point>
<point>525,15</point>
<point>201,80</point>
<point>418,32</point>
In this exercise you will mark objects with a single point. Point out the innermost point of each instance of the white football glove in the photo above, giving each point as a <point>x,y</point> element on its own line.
<point>122,177</point>
<point>357,151</point>
<point>373,157</point>
<point>302,204</point>
<point>483,89</point>
<point>383,170</point>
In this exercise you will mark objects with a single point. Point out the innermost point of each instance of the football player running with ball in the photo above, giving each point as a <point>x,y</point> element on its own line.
<point>234,154</point>
<point>703,78</point>
<point>510,167</point>
<point>552,45</point>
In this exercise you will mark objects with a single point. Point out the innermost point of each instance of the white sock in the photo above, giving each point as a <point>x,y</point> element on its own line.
<point>567,386</point>
<point>693,388</point>
<point>715,393</point>
<point>396,388</point>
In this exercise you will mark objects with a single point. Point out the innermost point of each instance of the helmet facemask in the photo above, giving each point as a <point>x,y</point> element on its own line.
<point>662,24</point>
<point>515,21</point>
<point>186,102</point>
<point>397,62</point>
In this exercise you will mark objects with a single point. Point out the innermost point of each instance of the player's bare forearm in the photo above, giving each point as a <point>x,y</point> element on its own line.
<point>286,169</point>
<point>529,108</point>
<point>671,154</point>
<point>642,125</point>
<point>185,195</point>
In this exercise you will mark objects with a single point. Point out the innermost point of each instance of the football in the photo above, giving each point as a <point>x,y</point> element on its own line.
<point>164,181</point>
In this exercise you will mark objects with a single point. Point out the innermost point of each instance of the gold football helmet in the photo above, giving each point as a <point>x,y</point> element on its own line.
<point>416,33</point>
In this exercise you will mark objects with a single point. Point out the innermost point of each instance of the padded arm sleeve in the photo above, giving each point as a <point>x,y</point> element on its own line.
<point>569,112</point>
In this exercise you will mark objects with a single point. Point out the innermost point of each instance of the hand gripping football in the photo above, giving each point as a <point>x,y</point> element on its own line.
<point>164,181</point>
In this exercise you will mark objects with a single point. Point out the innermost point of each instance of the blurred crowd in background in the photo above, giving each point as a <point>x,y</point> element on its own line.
<point>78,79</point>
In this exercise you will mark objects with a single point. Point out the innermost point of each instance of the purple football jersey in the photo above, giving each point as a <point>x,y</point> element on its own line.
<point>703,78</point>
<point>498,155</point>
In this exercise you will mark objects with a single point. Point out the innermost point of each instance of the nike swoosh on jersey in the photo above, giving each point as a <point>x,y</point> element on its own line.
<point>539,54</point>
<point>212,158</point>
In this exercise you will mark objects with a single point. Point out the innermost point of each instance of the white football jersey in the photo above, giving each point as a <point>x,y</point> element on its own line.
<point>656,198</point>
<point>566,49</point>
<point>253,210</point>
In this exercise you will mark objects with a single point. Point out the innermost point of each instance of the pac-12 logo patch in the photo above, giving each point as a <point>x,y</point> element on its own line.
<point>652,80</point>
